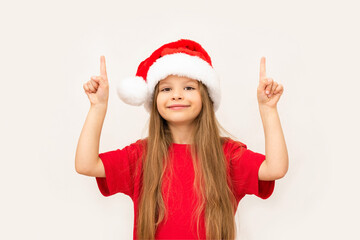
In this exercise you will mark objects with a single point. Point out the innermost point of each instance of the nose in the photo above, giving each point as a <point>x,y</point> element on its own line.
<point>177,95</point>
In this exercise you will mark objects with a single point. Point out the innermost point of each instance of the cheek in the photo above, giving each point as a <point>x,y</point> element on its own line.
<point>198,104</point>
<point>160,101</point>
<point>199,100</point>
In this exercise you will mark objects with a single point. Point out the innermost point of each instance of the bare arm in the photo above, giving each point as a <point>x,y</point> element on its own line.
<point>87,152</point>
<point>276,164</point>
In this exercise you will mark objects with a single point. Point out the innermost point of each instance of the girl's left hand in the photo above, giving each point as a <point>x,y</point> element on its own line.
<point>268,91</point>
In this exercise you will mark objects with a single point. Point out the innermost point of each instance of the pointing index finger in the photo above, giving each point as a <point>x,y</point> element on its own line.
<point>102,66</point>
<point>262,68</point>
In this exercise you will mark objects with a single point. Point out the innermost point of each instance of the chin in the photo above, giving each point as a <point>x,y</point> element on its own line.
<point>178,120</point>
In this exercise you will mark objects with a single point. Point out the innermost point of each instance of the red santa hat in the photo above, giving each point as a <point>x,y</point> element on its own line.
<point>183,58</point>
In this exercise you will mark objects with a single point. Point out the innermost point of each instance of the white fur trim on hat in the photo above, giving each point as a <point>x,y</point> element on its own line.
<point>133,90</point>
<point>182,64</point>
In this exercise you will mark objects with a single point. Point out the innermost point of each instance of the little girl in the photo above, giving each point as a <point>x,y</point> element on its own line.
<point>185,180</point>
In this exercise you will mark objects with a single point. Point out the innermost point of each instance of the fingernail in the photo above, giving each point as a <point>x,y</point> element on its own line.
<point>267,92</point>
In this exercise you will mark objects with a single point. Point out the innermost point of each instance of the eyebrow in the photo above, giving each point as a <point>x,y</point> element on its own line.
<point>191,81</point>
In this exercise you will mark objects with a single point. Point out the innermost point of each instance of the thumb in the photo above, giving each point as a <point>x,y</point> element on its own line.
<point>264,83</point>
<point>99,80</point>
<point>103,80</point>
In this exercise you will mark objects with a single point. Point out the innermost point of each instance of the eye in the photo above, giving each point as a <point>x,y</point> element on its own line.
<point>164,89</point>
<point>190,88</point>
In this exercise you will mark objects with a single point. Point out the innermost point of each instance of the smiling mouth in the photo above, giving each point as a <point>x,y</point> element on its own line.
<point>178,108</point>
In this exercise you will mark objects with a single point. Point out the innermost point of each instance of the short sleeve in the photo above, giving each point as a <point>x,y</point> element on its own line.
<point>245,173</point>
<point>119,168</point>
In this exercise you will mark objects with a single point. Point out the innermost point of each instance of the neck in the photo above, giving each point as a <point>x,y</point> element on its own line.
<point>182,134</point>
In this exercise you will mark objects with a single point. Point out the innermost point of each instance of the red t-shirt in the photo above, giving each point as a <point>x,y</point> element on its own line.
<point>121,178</point>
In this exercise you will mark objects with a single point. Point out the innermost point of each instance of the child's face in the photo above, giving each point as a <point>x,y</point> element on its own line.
<point>179,90</point>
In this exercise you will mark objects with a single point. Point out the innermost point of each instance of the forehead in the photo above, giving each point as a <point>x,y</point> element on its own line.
<point>173,78</point>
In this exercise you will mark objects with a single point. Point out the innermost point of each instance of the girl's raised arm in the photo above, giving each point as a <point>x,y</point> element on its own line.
<point>87,160</point>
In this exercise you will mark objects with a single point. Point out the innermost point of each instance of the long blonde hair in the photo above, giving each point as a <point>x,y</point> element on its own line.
<point>211,182</point>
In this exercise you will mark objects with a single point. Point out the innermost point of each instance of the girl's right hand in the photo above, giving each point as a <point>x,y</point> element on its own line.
<point>97,89</point>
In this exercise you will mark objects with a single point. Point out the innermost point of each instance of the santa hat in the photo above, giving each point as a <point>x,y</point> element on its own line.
<point>183,58</point>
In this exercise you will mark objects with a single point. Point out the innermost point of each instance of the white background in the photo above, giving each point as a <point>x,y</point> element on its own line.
<point>49,49</point>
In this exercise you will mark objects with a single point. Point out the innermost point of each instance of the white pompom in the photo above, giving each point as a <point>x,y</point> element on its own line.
<point>133,90</point>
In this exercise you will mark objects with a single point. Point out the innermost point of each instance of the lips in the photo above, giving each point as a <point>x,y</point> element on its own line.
<point>178,106</point>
